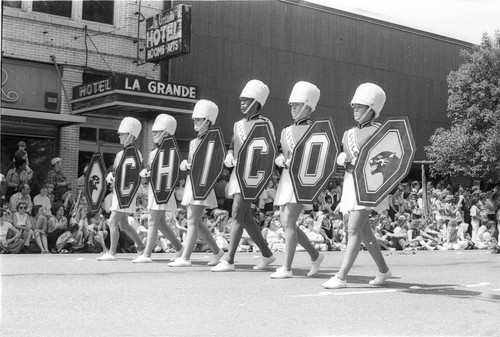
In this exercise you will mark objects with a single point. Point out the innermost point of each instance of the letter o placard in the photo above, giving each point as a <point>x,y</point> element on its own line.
<point>255,163</point>
<point>313,161</point>
<point>165,170</point>
<point>127,177</point>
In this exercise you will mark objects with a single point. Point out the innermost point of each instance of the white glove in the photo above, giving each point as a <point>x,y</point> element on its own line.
<point>341,159</point>
<point>184,166</point>
<point>280,161</point>
<point>145,173</point>
<point>229,161</point>
<point>110,178</point>
<point>288,162</point>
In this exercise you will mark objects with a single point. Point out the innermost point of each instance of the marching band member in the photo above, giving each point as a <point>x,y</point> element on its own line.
<point>164,126</point>
<point>252,99</point>
<point>204,115</point>
<point>303,100</point>
<point>367,103</point>
<point>129,130</point>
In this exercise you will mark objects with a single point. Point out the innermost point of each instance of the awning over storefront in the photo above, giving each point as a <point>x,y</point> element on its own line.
<point>17,115</point>
<point>128,95</point>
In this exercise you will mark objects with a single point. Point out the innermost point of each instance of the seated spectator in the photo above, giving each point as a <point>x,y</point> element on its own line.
<point>69,239</point>
<point>381,238</point>
<point>484,237</point>
<point>3,187</point>
<point>57,225</point>
<point>315,238</point>
<point>220,228</point>
<point>18,176</point>
<point>43,199</point>
<point>452,241</point>
<point>180,223</point>
<point>273,234</point>
<point>23,196</point>
<point>463,235</point>
<point>39,222</point>
<point>327,205</point>
<point>22,222</point>
<point>418,238</point>
<point>397,237</point>
<point>10,237</point>
<point>97,224</point>
<point>7,212</point>
<point>57,178</point>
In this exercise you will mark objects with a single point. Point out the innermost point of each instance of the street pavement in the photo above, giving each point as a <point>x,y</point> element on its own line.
<point>432,293</point>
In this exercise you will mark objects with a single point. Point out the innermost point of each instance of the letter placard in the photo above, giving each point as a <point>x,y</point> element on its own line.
<point>313,161</point>
<point>165,170</point>
<point>127,177</point>
<point>255,163</point>
<point>207,164</point>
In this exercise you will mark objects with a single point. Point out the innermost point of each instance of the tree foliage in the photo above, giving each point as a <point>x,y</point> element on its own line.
<point>471,147</point>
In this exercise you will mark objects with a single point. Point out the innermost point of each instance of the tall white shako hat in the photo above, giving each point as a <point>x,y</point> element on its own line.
<point>130,125</point>
<point>164,122</point>
<point>305,92</point>
<point>257,90</point>
<point>370,94</point>
<point>206,109</point>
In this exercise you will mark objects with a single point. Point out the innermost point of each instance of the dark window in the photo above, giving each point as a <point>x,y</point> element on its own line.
<point>98,11</point>
<point>61,8</point>
<point>90,77</point>
<point>109,136</point>
<point>88,134</point>
<point>15,4</point>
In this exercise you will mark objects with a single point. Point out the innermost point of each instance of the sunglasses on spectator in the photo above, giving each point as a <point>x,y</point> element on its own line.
<point>22,207</point>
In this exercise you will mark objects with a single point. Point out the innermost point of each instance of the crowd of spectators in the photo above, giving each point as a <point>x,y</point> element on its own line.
<point>58,220</point>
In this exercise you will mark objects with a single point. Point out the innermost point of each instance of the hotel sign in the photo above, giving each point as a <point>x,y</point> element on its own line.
<point>129,83</point>
<point>168,34</point>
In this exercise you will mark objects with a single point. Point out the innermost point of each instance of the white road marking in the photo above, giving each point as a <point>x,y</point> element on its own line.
<point>328,293</point>
<point>481,284</point>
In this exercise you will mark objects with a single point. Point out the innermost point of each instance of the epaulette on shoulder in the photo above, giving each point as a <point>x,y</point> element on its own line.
<point>377,125</point>
<point>264,118</point>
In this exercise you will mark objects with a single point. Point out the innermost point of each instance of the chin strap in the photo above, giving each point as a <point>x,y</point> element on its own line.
<point>249,107</point>
<point>364,116</point>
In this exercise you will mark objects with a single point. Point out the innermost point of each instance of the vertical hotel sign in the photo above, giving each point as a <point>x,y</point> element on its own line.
<point>168,34</point>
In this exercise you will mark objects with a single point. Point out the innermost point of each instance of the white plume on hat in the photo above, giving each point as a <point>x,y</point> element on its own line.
<point>164,122</point>
<point>371,95</point>
<point>130,125</point>
<point>305,92</point>
<point>206,109</point>
<point>257,90</point>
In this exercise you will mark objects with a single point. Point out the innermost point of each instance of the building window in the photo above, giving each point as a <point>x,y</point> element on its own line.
<point>13,4</point>
<point>98,11</point>
<point>109,136</point>
<point>88,134</point>
<point>61,8</point>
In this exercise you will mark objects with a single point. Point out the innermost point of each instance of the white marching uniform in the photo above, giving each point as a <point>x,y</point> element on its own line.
<point>171,204</point>
<point>290,136</point>
<point>115,206</point>
<point>352,142</point>
<point>240,132</point>
<point>188,199</point>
